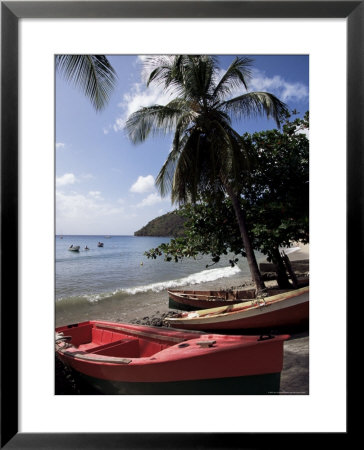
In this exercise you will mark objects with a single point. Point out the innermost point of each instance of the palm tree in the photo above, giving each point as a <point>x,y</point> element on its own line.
<point>93,74</point>
<point>206,153</point>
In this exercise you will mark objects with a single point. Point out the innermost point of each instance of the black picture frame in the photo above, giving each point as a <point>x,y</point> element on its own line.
<point>11,13</point>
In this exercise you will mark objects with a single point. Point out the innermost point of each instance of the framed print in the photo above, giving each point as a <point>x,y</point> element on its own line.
<point>32,33</point>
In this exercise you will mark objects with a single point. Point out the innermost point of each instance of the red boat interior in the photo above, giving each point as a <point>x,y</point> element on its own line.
<point>96,339</point>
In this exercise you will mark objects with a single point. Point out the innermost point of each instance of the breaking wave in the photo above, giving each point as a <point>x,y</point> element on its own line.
<point>195,278</point>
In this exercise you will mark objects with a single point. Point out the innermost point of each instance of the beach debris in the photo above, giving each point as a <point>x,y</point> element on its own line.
<point>156,320</point>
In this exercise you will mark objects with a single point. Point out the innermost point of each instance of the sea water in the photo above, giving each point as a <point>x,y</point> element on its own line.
<point>110,281</point>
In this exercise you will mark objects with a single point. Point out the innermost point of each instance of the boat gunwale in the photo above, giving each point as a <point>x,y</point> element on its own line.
<point>235,342</point>
<point>211,297</point>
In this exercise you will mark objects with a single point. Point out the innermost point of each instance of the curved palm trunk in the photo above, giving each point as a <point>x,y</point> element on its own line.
<point>250,256</point>
<point>282,278</point>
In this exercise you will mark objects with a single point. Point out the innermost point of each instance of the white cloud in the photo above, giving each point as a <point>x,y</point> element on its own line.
<point>80,208</point>
<point>143,184</point>
<point>140,96</point>
<point>67,178</point>
<point>277,85</point>
<point>60,145</point>
<point>95,194</point>
<point>152,199</point>
<point>70,178</point>
<point>283,89</point>
<point>86,214</point>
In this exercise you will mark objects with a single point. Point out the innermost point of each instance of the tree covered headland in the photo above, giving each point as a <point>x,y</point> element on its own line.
<point>170,224</point>
<point>274,197</point>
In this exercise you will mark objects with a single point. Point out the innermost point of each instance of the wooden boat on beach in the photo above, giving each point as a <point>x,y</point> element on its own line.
<point>115,358</point>
<point>189,300</point>
<point>287,309</point>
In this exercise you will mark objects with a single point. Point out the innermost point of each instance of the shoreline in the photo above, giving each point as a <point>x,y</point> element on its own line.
<point>159,304</point>
<point>295,372</point>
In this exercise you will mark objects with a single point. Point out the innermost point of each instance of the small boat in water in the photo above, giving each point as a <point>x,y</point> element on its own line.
<point>115,358</point>
<point>283,310</point>
<point>74,248</point>
<point>189,300</point>
<point>100,244</point>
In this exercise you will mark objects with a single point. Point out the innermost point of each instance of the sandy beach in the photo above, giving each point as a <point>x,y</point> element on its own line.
<point>295,373</point>
<point>157,305</point>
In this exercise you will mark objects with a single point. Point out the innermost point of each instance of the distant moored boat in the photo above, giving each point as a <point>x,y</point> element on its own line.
<point>100,244</point>
<point>73,248</point>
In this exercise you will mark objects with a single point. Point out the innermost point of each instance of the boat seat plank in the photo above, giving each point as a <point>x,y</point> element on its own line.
<point>124,348</point>
<point>141,333</point>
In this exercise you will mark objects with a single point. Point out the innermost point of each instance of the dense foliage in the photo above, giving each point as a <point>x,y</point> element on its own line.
<point>276,193</point>
<point>274,196</point>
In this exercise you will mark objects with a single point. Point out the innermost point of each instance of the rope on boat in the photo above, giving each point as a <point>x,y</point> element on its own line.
<point>60,338</point>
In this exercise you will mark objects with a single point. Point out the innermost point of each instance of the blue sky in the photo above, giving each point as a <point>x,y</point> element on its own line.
<point>104,183</point>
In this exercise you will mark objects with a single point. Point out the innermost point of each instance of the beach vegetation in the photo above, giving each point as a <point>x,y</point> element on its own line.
<point>274,196</point>
<point>207,154</point>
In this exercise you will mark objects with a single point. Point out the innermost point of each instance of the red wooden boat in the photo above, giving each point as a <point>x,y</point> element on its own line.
<point>189,300</point>
<point>117,358</point>
<point>287,309</point>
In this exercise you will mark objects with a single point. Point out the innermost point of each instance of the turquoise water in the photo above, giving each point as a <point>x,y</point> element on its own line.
<point>105,280</point>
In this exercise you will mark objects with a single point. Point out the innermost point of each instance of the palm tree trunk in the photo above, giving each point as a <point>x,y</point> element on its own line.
<point>282,277</point>
<point>250,256</point>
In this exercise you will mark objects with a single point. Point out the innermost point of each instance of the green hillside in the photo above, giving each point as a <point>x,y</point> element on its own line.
<point>170,224</point>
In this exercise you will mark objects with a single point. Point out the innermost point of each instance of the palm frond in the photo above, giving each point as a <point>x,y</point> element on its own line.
<point>238,74</point>
<point>197,77</point>
<point>256,104</point>
<point>155,119</point>
<point>187,171</point>
<point>233,157</point>
<point>93,74</point>
<point>164,180</point>
<point>166,71</point>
